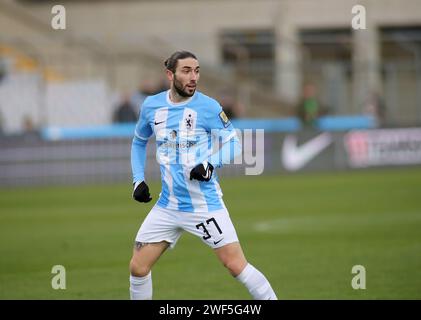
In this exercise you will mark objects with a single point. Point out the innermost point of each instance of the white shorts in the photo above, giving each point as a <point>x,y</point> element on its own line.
<point>214,228</point>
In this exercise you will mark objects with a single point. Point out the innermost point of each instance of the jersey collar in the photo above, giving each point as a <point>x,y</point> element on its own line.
<point>179,103</point>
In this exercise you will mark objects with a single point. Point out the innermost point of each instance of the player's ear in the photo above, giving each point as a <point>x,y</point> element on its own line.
<point>170,75</point>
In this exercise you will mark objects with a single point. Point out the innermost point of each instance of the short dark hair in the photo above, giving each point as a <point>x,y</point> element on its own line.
<point>171,62</point>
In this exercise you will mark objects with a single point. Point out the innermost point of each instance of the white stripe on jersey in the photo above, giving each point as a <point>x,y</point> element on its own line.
<point>198,199</point>
<point>187,130</point>
<point>160,118</point>
<point>172,200</point>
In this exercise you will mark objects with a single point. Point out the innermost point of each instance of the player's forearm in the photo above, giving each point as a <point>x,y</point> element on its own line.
<point>227,153</point>
<point>138,159</point>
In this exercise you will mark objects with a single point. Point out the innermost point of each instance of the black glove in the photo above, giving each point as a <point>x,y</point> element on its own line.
<point>141,192</point>
<point>202,172</point>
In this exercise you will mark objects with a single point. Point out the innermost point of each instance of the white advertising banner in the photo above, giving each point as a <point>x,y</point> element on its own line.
<point>383,147</point>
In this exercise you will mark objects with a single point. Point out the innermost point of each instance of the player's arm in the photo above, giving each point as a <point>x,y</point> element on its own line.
<point>230,148</point>
<point>138,158</point>
<point>223,132</point>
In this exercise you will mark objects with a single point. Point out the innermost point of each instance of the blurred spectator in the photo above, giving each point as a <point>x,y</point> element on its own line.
<point>309,107</point>
<point>232,108</point>
<point>375,106</point>
<point>146,88</point>
<point>29,131</point>
<point>162,85</point>
<point>124,112</point>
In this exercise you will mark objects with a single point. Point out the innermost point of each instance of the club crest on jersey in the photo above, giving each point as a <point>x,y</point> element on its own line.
<point>224,119</point>
<point>189,122</point>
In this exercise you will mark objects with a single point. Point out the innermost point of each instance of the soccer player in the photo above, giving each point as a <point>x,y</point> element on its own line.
<point>187,125</point>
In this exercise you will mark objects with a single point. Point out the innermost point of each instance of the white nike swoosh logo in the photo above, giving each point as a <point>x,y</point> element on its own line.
<point>295,157</point>
<point>207,171</point>
<point>207,174</point>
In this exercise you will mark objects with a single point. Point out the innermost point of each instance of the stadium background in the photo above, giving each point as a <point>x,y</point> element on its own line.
<point>65,181</point>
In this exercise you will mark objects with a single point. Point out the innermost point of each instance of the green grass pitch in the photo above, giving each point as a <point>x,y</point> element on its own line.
<point>305,232</point>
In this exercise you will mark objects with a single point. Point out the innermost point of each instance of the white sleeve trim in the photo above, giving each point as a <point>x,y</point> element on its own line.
<point>140,137</point>
<point>136,184</point>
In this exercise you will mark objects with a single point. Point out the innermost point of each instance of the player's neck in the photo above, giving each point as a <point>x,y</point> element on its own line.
<point>176,98</point>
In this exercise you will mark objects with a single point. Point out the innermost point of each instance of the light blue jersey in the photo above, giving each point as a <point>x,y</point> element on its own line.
<point>187,134</point>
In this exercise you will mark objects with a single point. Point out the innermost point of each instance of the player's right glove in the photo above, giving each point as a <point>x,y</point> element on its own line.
<point>202,172</point>
<point>141,192</point>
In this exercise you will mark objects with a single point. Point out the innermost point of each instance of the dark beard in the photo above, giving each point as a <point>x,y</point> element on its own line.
<point>180,91</point>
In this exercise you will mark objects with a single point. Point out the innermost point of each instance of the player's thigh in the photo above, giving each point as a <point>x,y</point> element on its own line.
<point>232,257</point>
<point>146,254</point>
<point>159,225</point>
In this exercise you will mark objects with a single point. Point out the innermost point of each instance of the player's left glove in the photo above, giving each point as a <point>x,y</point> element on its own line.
<point>202,172</point>
<point>141,192</point>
